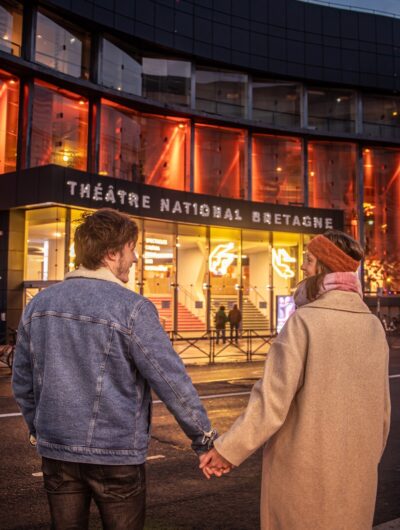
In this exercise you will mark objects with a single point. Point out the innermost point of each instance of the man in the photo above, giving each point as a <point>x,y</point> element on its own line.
<point>88,352</point>
<point>235,317</point>
<point>220,322</point>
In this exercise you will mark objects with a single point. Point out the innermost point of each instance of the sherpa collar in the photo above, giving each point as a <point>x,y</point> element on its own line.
<point>99,274</point>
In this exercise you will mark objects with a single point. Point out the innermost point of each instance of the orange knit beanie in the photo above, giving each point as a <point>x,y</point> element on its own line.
<point>332,256</point>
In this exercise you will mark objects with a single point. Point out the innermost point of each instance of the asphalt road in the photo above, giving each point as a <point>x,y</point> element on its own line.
<point>178,495</point>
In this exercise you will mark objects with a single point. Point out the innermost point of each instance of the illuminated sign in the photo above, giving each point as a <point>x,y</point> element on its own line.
<point>67,186</point>
<point>281,263</point>
<point>153,251</point>
<point>285,306</point>
<point>220,258</point>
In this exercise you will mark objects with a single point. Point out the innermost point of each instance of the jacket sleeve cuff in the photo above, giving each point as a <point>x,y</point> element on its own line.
<point>206,442</point>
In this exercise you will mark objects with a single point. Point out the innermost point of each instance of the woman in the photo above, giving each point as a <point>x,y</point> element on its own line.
<point>322,408</point>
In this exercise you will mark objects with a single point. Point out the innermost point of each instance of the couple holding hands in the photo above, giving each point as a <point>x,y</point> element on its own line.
<point>89,351</point>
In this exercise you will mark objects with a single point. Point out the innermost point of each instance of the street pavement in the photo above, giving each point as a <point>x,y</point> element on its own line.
<point>179,497</point>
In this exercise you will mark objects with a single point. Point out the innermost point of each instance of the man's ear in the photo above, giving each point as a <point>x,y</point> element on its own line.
<point>111,255</point>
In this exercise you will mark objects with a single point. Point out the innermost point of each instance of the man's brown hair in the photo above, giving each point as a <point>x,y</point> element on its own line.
<point>98,233</point>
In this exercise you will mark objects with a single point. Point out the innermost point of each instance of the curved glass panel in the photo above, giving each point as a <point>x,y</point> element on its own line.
<point>65,50</point>
<point>277,170</point>
<point>220,165</point>
<point>332,179</point>
<point>10,27</point>
<point>382,219</point>
<point>59,128</point>
<point>9,101</point>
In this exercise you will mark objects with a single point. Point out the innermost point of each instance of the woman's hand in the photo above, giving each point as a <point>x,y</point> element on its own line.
<point>212,463</point>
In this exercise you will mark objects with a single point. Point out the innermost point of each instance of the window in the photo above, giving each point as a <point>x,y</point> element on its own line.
<point>381,116</point>
<point>144,148</point>
<point>221,92</point>
<point>65,50</point>
<point>277,170</point>
<point>45,258</point>
<point>276,102</point>
<point>382,219</point>
<point>9,98</point>
<point>220,165</point>
<point>120,70</point>
<point>59,128</point>
<point>10,27</point>
<point>167,80</point>
<point>332,179</point>
<point>331,110</point>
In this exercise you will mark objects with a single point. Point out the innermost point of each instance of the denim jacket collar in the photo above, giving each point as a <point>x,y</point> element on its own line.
<point>99,274</point>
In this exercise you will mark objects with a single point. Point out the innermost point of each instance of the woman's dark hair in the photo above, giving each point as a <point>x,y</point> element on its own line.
<point>343,241</point>
<point>98,233</point>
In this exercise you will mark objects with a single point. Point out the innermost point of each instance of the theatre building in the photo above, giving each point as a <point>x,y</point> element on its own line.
<point>231,132</point>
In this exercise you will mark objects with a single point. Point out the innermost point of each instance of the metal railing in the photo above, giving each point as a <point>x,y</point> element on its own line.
<point>210,346</point>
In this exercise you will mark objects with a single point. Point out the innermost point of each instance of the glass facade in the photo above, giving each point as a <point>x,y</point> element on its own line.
<point>120,70</point>
<point>221,92</point>
<point>382,219</point>
<point>269,140</point>
<point>220,162</point>
<point>276,102</point>
<point>9,104</point>
<point>331,110</point>
<point>59,128</point>
<point>381,116</point>
<point>65,50</point>
<point>10,27</point>
<point>277,170</point>
<point>144,148</point>
<point>46,244</point>
<point>332,179</point>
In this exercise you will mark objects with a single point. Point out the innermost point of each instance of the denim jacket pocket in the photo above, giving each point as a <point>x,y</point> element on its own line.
<point>122,482</point>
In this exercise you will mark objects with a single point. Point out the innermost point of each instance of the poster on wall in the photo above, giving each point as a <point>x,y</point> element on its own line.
<point>285,306</point>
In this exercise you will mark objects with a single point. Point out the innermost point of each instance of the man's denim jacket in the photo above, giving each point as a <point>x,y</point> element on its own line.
<point>88,351</point>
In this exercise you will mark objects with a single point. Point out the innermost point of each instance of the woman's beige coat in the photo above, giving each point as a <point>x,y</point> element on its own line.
<point>322,408</point>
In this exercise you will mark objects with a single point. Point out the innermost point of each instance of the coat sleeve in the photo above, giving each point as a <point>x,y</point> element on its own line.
<point>387,408</point>
<point>271,397</point>
<point>165,372</point>
<point>22,378</point>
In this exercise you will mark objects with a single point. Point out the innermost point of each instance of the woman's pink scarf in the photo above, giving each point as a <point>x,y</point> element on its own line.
<point>340,281</point>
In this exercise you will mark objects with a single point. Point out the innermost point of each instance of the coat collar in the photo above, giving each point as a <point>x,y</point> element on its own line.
<point>339,301</point>
<point>99,274</point>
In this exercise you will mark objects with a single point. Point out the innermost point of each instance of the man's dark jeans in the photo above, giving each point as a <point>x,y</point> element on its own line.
<point>118,491</point>
<point>235,328</point>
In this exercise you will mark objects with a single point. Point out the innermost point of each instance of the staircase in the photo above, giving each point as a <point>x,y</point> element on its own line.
<point>187,321</point>
<point>252,318</point>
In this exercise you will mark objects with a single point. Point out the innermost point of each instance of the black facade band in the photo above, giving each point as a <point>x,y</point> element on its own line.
<point>56,184</point>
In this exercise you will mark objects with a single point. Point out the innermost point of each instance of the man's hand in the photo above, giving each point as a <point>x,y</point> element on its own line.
<point>212,463</point>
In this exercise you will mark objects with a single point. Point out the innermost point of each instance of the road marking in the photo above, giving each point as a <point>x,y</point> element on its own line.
<point>210,396</point>
<point>213,396</point>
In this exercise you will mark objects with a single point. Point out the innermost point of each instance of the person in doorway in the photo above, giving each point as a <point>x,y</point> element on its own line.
<point>220,322</point>
<point>322,408</point>
<point>89,350</point>
<point>234,318</point>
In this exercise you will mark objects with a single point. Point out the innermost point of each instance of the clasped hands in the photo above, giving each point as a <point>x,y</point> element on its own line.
<point>212,463</point>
